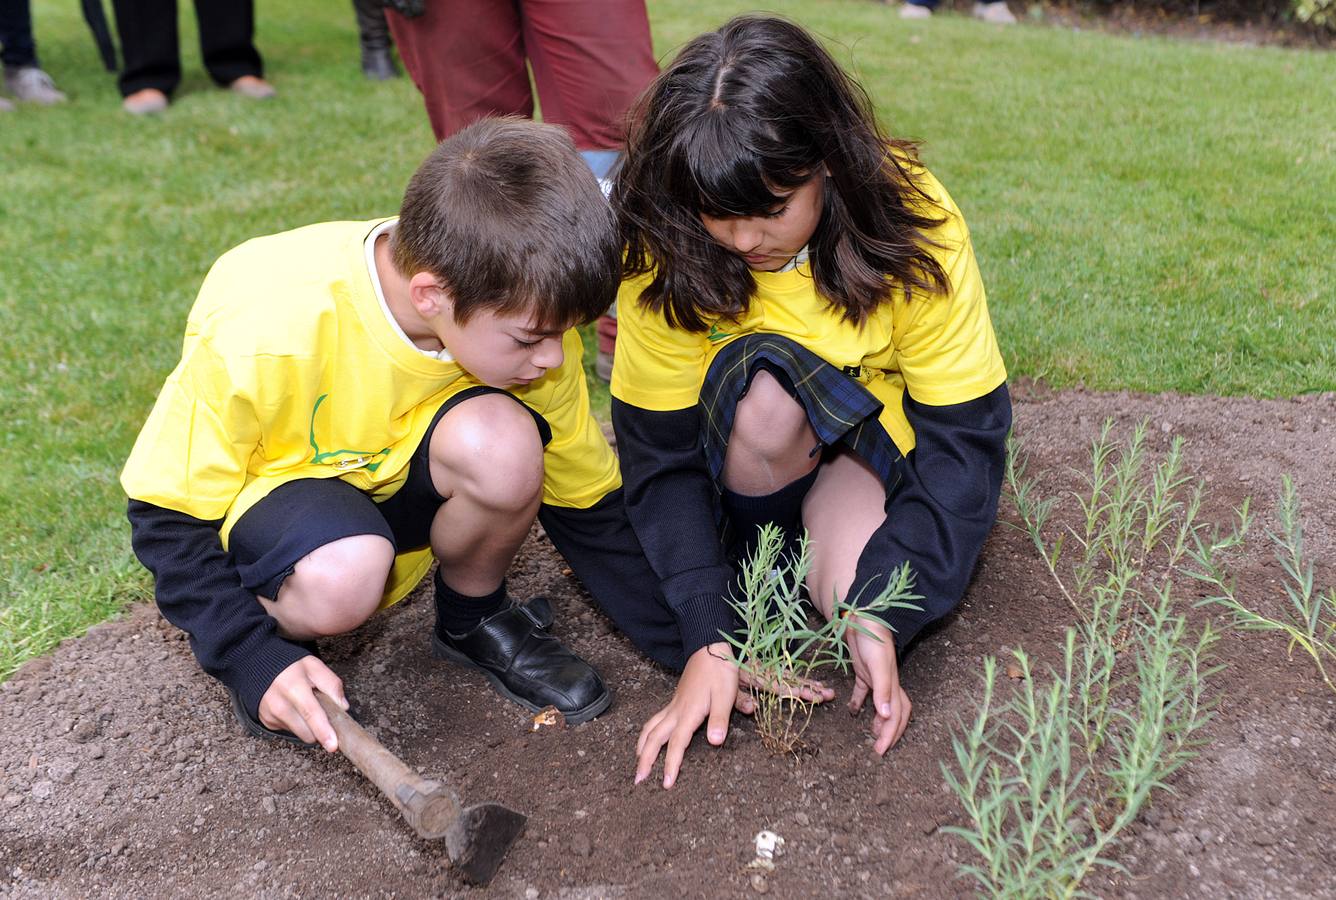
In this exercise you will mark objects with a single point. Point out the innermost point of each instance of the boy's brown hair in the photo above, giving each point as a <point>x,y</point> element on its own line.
<point>507,217</point>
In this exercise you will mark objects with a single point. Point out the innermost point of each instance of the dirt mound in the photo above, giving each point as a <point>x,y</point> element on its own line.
<point>125,775</point>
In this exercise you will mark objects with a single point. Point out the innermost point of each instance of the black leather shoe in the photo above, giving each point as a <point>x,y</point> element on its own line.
<point>378,65</point>
<point>525,663</point>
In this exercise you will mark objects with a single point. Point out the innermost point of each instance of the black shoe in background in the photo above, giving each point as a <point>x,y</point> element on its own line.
<point>373,34</point>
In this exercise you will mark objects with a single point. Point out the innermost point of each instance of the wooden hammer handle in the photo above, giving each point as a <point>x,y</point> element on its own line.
<point>429,806</point>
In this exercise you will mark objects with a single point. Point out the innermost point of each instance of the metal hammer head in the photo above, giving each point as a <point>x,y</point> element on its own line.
<point>479,838</point>
<point>476,838</point>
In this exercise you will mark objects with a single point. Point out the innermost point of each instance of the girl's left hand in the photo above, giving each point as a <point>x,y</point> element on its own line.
<point>876,673</point>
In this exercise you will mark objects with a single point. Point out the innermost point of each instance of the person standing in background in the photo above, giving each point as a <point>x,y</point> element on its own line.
<point>373,34</point>
<point>590,60</point>
<point>992,11</point>
<point>24,77</point>
<point>151,48</point>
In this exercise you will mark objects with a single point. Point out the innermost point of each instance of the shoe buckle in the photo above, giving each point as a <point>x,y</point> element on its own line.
<point>538,611</point>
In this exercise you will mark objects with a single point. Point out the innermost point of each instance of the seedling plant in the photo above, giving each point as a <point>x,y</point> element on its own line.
<point>1050,775</point>
<point>778,649</point>
<point>1309,620</point>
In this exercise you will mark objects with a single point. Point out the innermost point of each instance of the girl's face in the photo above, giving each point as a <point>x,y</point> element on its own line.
<point>767,242</point>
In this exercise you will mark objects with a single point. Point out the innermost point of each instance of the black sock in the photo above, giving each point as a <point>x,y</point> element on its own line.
<point>457,613</point>
<point>746,514</point>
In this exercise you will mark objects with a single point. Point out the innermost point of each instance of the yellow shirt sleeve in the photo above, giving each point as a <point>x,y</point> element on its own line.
<point>657,367</point>
<point>579,467</point>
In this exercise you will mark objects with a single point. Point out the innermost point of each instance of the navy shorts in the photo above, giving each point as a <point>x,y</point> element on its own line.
<point>296,518</point>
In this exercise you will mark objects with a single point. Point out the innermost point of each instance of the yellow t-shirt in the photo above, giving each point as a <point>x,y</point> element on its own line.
<point>941,348</point>
<point>291,369</point>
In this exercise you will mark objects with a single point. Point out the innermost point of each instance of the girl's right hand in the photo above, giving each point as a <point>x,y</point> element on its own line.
<point>708,689</point>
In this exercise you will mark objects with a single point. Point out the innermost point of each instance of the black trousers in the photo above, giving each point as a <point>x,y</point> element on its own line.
<point>16,44</point>
<point>151,45</point>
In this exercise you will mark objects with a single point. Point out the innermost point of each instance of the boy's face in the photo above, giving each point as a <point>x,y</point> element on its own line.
<point>768,242</point>
<point>500,350</point>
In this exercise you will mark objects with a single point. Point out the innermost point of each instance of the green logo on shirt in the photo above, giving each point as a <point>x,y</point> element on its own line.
<point>716,335</point>
<point>342,459</point>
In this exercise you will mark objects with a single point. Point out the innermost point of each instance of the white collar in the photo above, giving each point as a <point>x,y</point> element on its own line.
<point>798,259</point>
<point>370,247</point>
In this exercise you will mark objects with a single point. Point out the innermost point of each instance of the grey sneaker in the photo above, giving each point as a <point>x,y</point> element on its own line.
<point>31,85</point>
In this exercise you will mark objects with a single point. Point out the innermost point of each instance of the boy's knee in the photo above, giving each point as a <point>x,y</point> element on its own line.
<point>769,422</point>
<point>488,447</point>
<point>336,587</point>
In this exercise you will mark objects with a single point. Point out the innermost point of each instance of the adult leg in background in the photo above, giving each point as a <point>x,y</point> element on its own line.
<point>150,47</point>
<point>467,59</point>
<point>23,75</point>
<point>590,61</point>
<point>227,40</point>
<point>373,37</point>
<point>17,48</point>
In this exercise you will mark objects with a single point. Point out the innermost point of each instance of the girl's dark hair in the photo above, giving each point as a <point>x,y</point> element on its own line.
<point>755,108</point>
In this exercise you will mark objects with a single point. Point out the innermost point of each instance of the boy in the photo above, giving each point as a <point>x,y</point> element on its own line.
<point>356,398</point>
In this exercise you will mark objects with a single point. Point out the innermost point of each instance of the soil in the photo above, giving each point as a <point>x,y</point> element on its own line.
<point>125,774</point>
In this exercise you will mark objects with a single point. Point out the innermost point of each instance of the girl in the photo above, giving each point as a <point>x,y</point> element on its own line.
<point>803,340</point>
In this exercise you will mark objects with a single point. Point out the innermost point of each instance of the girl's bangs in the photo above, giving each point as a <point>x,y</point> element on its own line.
<point>731,174</point>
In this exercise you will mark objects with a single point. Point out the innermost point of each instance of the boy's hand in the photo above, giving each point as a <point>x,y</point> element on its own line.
<point>708,689</point>
<point>876,672</point>
<point>290,703</point>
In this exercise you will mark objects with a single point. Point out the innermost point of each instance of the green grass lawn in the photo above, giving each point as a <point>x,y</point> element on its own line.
<point>1148,214</point>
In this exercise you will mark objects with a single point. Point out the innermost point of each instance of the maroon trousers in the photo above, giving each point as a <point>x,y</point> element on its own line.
<point>590,60</point>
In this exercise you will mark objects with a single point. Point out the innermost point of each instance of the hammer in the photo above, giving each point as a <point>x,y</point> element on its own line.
<point>476,837</point>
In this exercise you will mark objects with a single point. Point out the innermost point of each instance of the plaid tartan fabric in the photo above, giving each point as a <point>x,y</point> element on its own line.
<point>840,410</point>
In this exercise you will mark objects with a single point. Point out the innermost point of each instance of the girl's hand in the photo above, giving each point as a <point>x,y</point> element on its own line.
<point>875,672</point>
<point>708,689</point>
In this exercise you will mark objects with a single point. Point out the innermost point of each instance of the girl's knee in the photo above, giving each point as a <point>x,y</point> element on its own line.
<point>489,447</point>
<point>337,587</point>
<point>769,422</point>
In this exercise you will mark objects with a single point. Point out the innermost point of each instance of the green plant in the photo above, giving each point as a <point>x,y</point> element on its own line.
<point>1310,620</point>
<point>1321,13</point>
<point>1050,777</point>
<point>777,649</point>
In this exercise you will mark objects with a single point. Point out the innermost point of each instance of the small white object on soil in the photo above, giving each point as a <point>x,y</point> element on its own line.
<point>768,846</point>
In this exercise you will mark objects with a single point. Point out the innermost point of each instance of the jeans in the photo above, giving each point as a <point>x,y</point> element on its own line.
<point>17,49</point>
